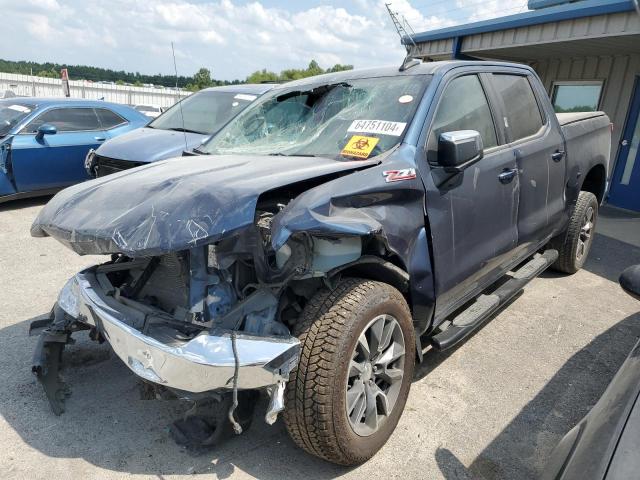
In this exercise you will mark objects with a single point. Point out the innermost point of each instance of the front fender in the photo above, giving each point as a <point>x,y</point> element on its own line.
<point>366,203</point>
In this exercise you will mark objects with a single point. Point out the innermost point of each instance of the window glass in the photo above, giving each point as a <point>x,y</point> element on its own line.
<point>521,108</point>
<point>359,117</point>
<point>108,118</point>
<point>203,112</point>
<point>66,120</point>
<point>576,97</point>
<point>11,114</point>
<point>464,107</point>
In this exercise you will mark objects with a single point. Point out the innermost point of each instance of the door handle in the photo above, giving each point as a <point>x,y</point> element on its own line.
<point>624,143</point>
<point>557,155</point>
<point>507,175</point>
<point>99,139</point>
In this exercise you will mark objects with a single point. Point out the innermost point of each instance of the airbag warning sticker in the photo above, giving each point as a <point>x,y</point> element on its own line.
<point>381,127</point>
<point>359,146</point>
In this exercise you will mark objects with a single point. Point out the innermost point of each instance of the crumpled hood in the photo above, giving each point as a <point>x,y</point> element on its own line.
<point>149,145</point>
<point>172,205</point>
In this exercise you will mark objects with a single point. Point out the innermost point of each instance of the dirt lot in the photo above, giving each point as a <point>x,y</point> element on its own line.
<point>493,408</point>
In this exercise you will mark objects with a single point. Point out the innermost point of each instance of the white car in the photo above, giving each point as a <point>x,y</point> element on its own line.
<point>152,111</point>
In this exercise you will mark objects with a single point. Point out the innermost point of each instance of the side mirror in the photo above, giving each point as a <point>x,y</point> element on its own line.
<point>630,281</point>
<point>459,149</point>
<point>46,129</point>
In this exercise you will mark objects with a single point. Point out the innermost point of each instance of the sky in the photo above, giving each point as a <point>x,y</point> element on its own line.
<point>232,38</point>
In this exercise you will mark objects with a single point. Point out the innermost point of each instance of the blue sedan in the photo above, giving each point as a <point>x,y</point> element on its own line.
<point>44,141</point>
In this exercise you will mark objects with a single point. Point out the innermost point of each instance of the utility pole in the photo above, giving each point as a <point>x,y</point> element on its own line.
<point>403,28</point>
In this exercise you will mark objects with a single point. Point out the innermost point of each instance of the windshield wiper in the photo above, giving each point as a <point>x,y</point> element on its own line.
<point>180,129</point>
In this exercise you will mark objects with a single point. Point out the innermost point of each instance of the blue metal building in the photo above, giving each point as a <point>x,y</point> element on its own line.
<point>587,54</point>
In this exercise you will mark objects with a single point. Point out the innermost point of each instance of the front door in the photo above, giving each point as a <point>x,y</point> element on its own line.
<point>57,160</point>
<point>473,216</point>
<point>625,186</point>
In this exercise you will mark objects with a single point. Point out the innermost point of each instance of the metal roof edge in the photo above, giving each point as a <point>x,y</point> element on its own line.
<point>581,9</point>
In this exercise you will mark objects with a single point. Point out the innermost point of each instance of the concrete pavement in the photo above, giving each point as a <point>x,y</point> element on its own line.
<point>492,408</point>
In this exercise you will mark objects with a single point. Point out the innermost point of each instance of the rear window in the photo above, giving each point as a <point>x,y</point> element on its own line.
<point>576,97</point>
<point>66,120</point>
<point>522,113</point>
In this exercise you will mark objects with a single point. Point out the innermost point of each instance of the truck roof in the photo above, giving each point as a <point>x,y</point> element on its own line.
<point>252,88</point>
<point>424,68</point>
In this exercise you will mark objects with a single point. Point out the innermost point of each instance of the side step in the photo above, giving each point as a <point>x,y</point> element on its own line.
<point>485,305</point>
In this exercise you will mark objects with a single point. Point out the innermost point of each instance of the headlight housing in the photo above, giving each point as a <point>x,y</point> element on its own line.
<point>69,297</point>
<point>89,161</point>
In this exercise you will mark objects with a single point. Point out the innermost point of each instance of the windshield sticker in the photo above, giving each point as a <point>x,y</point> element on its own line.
<point>359,146</point>
<point>377,126</point>
<point>19,108</point>
<point>399,175</point>
<point>406,99</point>
<point>243,96</point>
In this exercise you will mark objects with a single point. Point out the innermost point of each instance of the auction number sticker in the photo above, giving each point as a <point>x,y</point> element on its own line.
<point>380,127</point>
<point>359,146</point>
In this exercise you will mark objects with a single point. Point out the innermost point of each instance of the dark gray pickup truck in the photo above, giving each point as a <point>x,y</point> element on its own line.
<point>325,237</point>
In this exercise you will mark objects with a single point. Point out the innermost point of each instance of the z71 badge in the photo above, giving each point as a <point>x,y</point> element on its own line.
<point>399,175</point>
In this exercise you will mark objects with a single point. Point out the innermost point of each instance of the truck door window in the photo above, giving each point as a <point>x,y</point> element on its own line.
<point>522,113</point>
<point>66,120</point>
<point>463,106</point>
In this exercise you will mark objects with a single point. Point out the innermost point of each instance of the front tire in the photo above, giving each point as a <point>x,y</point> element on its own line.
<point>344,399</point>
<point>573,246</point>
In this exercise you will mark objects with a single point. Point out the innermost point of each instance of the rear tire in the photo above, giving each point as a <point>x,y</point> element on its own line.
<point>341,404</point>
<point>573,246</point>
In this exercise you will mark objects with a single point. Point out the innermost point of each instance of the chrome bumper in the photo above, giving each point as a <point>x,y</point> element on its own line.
<point>204,363</point>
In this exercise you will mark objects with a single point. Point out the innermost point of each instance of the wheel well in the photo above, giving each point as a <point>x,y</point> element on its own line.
<point>596,182</point>
<point>378,269</point>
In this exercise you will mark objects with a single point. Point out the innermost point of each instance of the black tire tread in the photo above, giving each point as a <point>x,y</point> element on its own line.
<point>566,243</point>
<point>308,414</point>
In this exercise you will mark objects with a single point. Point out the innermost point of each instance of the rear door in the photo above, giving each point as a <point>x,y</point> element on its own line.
<point>57,160</point>
<point>539,151</point>
<point>472,215</point>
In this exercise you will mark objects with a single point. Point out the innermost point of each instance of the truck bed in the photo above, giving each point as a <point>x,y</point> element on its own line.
<point>587,137</point>
<point>568,118</point>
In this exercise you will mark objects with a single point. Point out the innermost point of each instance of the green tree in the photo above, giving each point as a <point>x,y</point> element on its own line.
<point>202,78</point>
<point>52,73</point>
<point>262,76</point>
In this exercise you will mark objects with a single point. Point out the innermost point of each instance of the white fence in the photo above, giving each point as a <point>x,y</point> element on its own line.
<point>32,86</point>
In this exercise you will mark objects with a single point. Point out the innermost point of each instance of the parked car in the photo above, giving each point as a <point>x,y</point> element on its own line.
<point>324,235</point>
<point>44,141</point>
<point>182,127</point>
<point>152,111</point>
<point>604,445</point>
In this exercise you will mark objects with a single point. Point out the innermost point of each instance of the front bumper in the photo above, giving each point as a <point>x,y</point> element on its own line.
<point>203,363</point>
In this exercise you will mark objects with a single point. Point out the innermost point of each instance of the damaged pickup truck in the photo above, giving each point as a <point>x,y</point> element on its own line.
<point>324,237</point>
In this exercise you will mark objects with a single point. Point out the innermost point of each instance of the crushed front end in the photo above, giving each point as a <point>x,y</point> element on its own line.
<point>208,319</point>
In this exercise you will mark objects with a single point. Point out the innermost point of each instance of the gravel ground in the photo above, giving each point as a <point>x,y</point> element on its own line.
<point>493,408</point>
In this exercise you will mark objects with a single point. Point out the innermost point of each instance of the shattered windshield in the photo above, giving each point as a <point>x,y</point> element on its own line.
<point>358,118</point>
<point>11,114</point>
<point>203,112</point>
